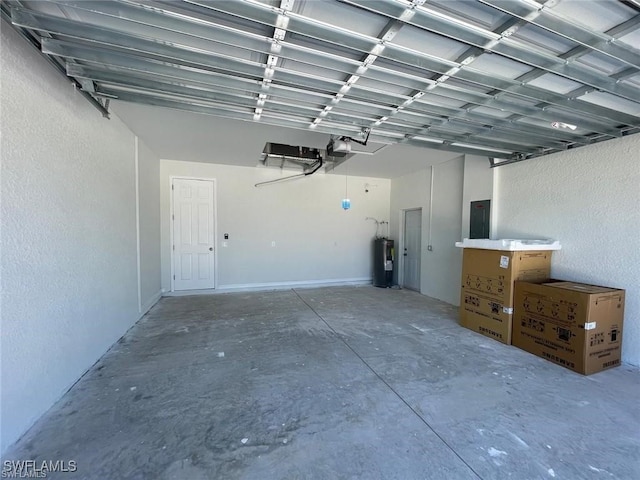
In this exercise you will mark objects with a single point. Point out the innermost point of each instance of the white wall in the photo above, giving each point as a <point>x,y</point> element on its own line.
<point>410,192</point>
<point>457,182</point>
<point>444,264</point>
<point>478,185</point>
<point>149,226</point>
<point>316,241</point>
<point>68,202</point>
<point>589,199</point>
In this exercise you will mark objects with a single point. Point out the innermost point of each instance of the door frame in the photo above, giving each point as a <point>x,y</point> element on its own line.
<point>401,266</point>
<point>215,227</point>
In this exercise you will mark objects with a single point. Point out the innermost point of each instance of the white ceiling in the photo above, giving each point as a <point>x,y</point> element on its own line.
<point>510,79</point>
<point>178,135</point>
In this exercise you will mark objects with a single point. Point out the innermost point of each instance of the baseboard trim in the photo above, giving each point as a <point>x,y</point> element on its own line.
<point>150,303</point>
<point>259,287</point>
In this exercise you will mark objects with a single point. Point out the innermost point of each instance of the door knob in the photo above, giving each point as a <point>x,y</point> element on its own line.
<point>211,249</point>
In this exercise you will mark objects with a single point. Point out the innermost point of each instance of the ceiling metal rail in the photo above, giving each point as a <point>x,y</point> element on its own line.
<point>429,64</point>
<point>466,72</point>
<point>279,63</point>
<point>35,41</point>
<point>503,44</point>
<point>70,28</point>
<point>62,26</point>
<point>544,17</point>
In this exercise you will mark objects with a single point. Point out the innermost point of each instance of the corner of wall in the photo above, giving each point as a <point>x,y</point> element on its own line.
<point>495,204</point>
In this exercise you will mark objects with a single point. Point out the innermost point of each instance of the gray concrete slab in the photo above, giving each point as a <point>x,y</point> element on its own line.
<point>354,382</point>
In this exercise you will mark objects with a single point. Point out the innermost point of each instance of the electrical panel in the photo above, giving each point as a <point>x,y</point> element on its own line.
<point>480,219</point>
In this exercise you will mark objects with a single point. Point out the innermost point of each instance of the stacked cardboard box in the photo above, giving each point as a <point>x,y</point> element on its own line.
<point>488,276</point>
<point>574,325</point>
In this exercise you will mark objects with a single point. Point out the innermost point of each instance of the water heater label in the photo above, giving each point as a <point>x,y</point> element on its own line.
<point>504,261</point>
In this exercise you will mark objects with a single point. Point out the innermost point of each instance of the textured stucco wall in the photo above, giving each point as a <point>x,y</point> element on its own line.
<point>589,199</point>
<point>69,280</point>
<point>316,241</point>
<point>149,201</point>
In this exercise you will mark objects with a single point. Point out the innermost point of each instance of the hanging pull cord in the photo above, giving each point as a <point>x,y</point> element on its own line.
<point>315,167</point>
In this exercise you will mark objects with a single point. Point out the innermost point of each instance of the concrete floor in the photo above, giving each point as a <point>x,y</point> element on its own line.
<point>333,383</point>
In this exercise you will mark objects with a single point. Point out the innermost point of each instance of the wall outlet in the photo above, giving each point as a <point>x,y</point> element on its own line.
<point>273,243</point>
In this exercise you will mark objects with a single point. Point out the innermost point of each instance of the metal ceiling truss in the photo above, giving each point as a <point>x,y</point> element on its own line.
<point>271,62</point>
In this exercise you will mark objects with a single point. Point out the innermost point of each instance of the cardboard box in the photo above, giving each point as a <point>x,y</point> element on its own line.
<point>488,276</point>
<point>572,324</point>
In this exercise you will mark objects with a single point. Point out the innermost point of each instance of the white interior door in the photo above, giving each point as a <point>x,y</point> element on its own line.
<point>412,251</point>
<point>193,234</point>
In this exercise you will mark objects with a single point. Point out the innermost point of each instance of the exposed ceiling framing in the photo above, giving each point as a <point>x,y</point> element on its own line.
<point>507,79</point>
